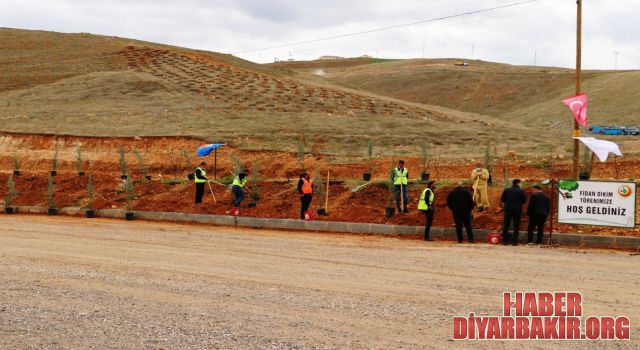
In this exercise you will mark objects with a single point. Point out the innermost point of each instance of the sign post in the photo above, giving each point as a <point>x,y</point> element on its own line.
<point>597,203</point>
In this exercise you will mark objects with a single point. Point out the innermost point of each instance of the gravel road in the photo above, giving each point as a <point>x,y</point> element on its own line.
<point>71,283</point>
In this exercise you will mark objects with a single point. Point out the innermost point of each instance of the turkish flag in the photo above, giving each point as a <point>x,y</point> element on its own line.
<point>578,106</point>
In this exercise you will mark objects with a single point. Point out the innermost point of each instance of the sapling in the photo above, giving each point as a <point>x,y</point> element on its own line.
<point>370,157</point>
<point>391,198</point>
<point>425,157</point>
<point>143,168</point>
<point>79,160</point>
<point>188,163</point>
<point>254,188</point>
<point>128,188</point>
<point>319,188</point>
<point>90,192</point>
<point>488,161</point>
<point>122,161</point>
<point>300,154</point>
<point>55,163</point>
<point>11,194</point>
<point>16,165</point>
<point>238,167</point>
<point>51,192</point>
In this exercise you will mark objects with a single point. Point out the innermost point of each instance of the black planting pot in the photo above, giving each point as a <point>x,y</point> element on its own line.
<point>123,177</point>
<point>366,177</point>
<point>252,205</point>
<point>424,177</point>
<point>128,216</point>
<point>322,211</point>
<point>80,173</point>
<point>389,212</point>
<point>190,177</point>
<point>89,213</point>
<point>16,173</point>
<point>54,173</point>
<point>148,177</point>
<point>52,211</point>
<point>584,175</point>
<point>8,210</point>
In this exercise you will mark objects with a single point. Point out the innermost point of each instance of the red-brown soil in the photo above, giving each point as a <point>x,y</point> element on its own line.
<point>278,174</point>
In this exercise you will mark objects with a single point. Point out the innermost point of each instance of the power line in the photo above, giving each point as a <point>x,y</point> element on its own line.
<point>388,28</point>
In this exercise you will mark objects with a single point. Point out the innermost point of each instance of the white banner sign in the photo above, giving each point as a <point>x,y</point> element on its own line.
<point>598,203</point>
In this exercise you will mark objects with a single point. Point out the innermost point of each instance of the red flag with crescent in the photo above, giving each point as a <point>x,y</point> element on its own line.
<point>578,106</point>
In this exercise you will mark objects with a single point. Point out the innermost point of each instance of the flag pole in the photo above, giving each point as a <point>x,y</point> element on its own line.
<point>576,126</point>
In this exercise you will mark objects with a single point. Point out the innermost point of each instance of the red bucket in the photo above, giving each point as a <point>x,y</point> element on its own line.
<point>309,215</point>
<point>494,238</point>
<point>235,211</point>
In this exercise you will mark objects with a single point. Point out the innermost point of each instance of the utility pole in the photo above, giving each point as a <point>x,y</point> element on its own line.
<point>535,58</point>
<point>422,50</point>
<point>576,126</point>
<point>615,55</point>
<point>472,49</point>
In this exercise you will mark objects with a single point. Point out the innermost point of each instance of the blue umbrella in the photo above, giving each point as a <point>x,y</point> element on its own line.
<point>206,150</point>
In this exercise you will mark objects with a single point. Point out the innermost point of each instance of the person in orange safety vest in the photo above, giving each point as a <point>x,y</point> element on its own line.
<point>305,188</point>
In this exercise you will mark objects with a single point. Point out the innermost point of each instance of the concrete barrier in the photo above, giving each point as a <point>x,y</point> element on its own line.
<point>438,233</point>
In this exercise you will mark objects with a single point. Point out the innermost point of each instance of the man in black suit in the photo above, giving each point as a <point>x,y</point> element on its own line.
<point>460,202</point>
<point>512,200</point>
<point>538,210</point>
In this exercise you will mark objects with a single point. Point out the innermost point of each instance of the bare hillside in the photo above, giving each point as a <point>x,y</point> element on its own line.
<point>527,94</point>
<point>85,84</point>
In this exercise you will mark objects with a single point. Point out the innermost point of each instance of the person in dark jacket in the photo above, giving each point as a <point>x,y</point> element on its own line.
<point>200,179</point>
<point>460,202</point>
<point>538,210</point>
<point>512,200</point>
<point>305,188</point>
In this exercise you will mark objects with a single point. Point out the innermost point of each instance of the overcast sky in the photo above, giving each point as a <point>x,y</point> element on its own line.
<point>542,31</point>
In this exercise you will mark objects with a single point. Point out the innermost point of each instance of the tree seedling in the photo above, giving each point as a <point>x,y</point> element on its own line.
<point>16,165</point>
<point>55,163</point>
<point>143,167</point>
<point>51,193</point>
<point>11,195</point>
<point>79,160</point>
<point>122,162</point>
<point>90,196</point>
<point>129,195</point>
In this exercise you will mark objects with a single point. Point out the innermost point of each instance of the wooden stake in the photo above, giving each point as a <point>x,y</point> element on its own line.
<point>615,162</point>
<point>401,197</point>
<point>326,200</point>
<point>212,195</point>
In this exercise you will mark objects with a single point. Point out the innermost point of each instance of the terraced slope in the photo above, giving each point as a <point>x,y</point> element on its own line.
<point>106,86</point>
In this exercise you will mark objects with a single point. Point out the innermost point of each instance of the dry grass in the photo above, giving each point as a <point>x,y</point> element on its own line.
<point>83,84</point>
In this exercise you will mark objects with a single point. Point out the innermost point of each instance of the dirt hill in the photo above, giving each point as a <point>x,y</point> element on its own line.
<point>530,95</point>
<point>94,85</point>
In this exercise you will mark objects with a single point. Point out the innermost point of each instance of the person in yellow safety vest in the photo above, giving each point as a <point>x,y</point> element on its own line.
<point>479,181</point>
<point>237,188</point>
<point>400,178</point>
<point>200,179</point>
<point>305,188</point>
<point>425,204</point>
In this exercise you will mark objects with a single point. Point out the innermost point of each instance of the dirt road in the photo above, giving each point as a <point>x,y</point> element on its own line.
<point>72,283</point>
